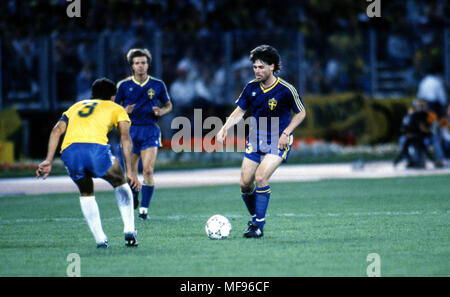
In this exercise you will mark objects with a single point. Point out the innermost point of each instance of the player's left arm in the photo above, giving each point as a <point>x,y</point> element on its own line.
<point>164,98</point>
<point>297,119</point>
<point>45,167</point>
<point>164,110</point>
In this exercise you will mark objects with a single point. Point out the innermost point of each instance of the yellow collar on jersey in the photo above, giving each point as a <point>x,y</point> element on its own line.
<point>141,84</point>
<point>269,88</point>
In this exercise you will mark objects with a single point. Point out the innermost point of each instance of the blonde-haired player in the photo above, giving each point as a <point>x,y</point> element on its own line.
<point>146,99</point>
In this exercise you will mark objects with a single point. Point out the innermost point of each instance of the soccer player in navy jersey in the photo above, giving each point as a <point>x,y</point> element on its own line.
<point>145,99</point>
<point>271,100</point>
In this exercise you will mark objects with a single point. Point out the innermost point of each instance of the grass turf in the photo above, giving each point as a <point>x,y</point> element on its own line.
<point>324,228</point>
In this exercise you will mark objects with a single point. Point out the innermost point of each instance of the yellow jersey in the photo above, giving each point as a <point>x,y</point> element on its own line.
<point>89,121</point>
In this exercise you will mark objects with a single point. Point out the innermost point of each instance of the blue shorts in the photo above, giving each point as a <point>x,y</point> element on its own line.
<point>256,154</point>
<point>145,136</point>
<point>87,159</point>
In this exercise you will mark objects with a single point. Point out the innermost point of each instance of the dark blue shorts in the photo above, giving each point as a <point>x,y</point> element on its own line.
<point>255,152</point>
<point>87,159</point>
<point>145,136</point>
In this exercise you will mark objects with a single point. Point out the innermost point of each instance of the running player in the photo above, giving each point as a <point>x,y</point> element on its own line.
<point>86,154</point>
<point>142,95</point>
<point>270,99</point>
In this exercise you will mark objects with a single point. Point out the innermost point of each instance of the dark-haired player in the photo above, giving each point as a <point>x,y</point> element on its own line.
<point>86,154</point>
<point>145,98</point>
<point>271,100</point>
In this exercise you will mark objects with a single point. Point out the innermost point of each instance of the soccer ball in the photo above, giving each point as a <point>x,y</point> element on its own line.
<point>218,227</point>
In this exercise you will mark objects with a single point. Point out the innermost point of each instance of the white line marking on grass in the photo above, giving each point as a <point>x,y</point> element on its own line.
<point>221,176</point>
<point>238,216</point>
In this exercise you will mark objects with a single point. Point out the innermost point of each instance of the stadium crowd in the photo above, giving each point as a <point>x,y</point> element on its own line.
<point>335,59</point>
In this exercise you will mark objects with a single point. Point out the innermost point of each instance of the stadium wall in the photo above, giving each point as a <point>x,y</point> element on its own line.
<point>350,118</point>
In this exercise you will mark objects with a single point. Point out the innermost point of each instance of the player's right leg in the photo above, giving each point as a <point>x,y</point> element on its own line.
<point>136,134</point>
<point>247,185</point>
<point>135,165</point>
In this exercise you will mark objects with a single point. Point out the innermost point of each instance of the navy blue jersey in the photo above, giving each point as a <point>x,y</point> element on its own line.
<point>151,92</point>
<point>268,105</point>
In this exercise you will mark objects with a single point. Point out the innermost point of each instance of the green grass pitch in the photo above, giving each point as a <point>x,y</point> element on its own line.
<point>323,228</point>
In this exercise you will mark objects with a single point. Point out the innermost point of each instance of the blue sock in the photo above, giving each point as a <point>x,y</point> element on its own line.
<point>249,200</point>
<point>262,196</point>
<point>147,193</point>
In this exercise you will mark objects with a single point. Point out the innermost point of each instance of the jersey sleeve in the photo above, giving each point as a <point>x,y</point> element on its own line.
<point>68,113</point>
<point>120,115</point>
<point>64,118</point>
<point>120,95</point>
<point>244,98</point>
<point>165,97</point>
<point>297,104</point>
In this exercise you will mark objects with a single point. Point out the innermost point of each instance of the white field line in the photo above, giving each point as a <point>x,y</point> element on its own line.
<point>238,216</point>
<point>223,176</point>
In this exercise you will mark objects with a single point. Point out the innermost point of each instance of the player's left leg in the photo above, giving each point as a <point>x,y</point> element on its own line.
<point>124,197</point>
<point>85,186</point>
<point>265,170</point>
<point>80,158</point>
<point>90,210</point>
<point>148,157</point>
<point>269,163</point>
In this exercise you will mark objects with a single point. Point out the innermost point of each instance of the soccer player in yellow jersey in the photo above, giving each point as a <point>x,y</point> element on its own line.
<point>86,155</point>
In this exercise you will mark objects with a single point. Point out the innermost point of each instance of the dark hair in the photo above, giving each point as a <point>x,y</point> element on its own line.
<point>103,88</point>
<point>434,68</point>
<point>138,52</point>
<point>267,54</point>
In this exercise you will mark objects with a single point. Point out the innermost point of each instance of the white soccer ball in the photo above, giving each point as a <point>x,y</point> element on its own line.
<point>218,227</point>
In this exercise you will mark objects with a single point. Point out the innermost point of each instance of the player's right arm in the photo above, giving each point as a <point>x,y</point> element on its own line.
<point>124,130</point>
<point>45,167</point>
<point>120,98</point>
<point>233,119</point>
<point>243,103</point>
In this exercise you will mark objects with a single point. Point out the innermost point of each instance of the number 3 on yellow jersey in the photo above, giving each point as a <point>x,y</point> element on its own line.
<point>88,109</point>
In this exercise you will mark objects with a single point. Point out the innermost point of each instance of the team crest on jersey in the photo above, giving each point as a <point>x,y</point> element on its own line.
<point>151,93</point>
<point>272,103</point>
